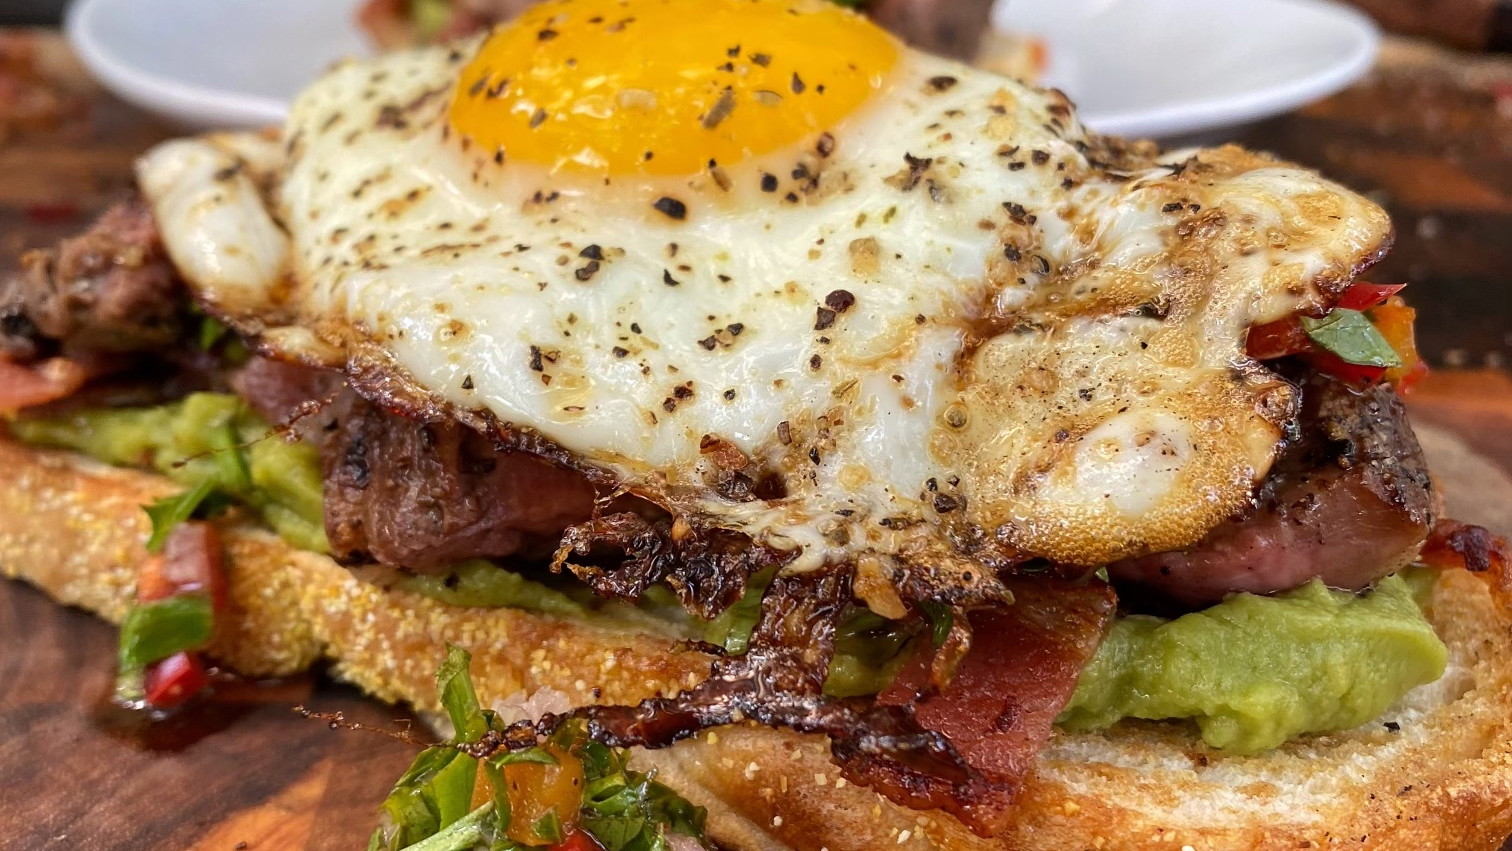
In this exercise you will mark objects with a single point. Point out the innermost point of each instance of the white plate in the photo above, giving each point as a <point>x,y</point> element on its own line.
<point>212,63</point>
<point>1170,67</point>
<point>1136,67</point>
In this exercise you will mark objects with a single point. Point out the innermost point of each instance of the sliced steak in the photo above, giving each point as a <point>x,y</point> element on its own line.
<point>112,289</point>
<point>289,394</point>
<point>426,495</point>
<point>1350,502</point>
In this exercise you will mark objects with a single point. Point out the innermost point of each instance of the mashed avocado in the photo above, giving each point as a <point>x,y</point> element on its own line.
<point>202,437</point>
<point>478,583</point>
<point>1254,672</point>
<point>214,437</point>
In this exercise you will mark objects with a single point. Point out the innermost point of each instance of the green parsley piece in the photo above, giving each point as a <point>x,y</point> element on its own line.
<point>1351,336</point>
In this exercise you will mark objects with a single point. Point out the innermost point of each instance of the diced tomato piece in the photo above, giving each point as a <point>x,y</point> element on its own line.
<point>192,562</point>
<point>152,581</point>
<point>172,681</point>
<point>1366,296</point>
<point>578,840</point>
<point>1409,380</point>
<point>1394,320</point>
<point>536,789</point>
<point>1277,339</point>
<point>1352,373</point>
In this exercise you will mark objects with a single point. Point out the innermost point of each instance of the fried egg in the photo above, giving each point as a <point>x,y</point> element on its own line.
<point>758,261</point>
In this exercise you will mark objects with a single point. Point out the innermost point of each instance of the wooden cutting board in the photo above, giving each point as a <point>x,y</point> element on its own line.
<point>247,772</point>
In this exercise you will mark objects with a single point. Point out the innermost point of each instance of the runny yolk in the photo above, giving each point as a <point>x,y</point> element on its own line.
<point>664,87</point>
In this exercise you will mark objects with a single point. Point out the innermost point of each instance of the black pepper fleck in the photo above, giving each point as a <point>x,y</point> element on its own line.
<point>671,208</point>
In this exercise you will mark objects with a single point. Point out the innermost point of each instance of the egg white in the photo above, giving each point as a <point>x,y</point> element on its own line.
<point>992,354</point>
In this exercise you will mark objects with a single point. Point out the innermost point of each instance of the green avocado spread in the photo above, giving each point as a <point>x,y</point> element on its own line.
<point>202,437</point>
<point>1254,672</point>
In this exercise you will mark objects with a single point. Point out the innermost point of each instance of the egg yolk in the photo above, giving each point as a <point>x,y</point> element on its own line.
<point>665,87</point>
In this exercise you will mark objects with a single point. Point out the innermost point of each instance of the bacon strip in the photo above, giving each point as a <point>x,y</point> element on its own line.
<point>779,683</point>
<point>1022,668</point>
<point>25,386</point>
<point>1453,544</point>
<point>706,568</point>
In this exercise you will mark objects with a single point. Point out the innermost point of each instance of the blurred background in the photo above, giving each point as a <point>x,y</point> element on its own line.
<point>1471,24</point>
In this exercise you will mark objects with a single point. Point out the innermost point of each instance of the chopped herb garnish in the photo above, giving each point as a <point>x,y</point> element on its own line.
<point>157,630</point>
<point>1351,336</point>
<point>941,619</point>
<point>458,697</point>
<point>211,331</point>
<point>170,511</point>
<point>535,797</point>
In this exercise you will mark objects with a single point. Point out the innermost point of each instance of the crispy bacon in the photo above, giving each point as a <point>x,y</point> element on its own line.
<point>707,568</point>
<point>1453,544</point>
<point>1023,665</point>
<point>779,682</point>
<point>965,751</point>
<point>29,385</point>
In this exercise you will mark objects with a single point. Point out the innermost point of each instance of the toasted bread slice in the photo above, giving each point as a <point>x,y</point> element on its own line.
<point>1434,773</point>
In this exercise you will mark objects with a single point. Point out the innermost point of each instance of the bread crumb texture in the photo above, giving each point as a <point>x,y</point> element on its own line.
<point>1434,773</point>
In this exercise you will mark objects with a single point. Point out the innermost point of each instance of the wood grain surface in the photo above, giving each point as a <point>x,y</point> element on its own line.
<point>1430,135</point>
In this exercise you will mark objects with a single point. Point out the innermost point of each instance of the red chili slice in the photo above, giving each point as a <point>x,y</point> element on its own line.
<point>172,681</point>
<point>192,563</point>
<point>1352,373</point>
<point>1366,296</point>
<point>578,840</point>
